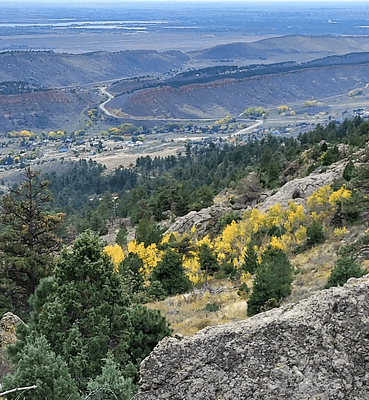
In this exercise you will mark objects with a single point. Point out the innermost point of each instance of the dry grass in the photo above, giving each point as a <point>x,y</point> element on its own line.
<point>125,158</point>
<point>313,268</point>
<point>187,314</point>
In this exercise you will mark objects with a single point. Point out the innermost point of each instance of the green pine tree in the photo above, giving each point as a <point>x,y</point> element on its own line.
<point>129,269</point>
<point>89,302</point>
<point>343,270</point>
<point>315,234</point>
<point>208,261</point>
<point>273,281</point>
<point>85,312</point>
<point>149,327</point>
<point>110,384</point>
<point>121,238</point>
<point>251,259</point>
<point>148,232</point>
<point>38,365</point>
<point>28,241</point>
<point>170,273</point>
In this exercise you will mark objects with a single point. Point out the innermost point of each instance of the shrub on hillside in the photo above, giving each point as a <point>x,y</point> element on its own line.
<point>344,269</point>
<point>349,172</point>
<point>315,234</point>
<point>272,282</point>
<point>170,273</point>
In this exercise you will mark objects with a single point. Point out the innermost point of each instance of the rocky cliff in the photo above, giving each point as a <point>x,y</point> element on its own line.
<point>298,189</point>
<point>315,349</point>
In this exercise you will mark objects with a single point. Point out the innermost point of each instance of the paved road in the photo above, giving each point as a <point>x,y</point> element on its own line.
<point>250,128</point>
<point>104,92</point>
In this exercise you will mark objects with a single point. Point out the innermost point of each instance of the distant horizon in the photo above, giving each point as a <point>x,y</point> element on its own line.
<point>321,4</point>
<point>125,2</point>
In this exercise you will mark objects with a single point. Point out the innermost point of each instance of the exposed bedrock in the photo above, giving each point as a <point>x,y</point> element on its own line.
<point>315,349</point>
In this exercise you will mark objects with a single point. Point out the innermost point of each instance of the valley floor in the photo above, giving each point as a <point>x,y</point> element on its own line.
<point>78,43</point>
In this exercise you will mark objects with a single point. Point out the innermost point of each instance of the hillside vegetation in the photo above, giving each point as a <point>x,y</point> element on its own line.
<point>247,260</point>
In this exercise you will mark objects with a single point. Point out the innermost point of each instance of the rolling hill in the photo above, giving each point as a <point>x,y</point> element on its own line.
<point>26,77</point>
<point>232,96</point>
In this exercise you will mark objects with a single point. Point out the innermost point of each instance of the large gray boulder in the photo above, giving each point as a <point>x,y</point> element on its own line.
<point>298,189</point>
<point>302,188</point>
<point>315,349</point>
<point>201,220</point>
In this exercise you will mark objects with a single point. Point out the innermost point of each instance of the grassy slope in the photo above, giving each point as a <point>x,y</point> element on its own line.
<point>187,314</point>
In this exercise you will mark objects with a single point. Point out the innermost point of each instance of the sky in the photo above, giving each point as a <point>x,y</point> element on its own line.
<point>104,3</point>
<point>108,2</point>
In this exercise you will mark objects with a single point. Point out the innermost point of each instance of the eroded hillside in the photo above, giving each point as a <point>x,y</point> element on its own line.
<point>32,71</point>
<point>235,95</point>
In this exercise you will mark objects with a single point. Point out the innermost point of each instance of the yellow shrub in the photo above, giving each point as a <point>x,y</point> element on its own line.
<point>301,234</point>
<point>116,254</point>
<point>339,194</point>
<point>295,213</point>
<point>275,216</point>
<point>320,197</point>
<point>338,232</point>
<point>277,243</point>
<point>282,109</point>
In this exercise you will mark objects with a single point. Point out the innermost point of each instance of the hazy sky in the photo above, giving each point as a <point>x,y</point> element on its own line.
<point>101,3</point>
<point>55,2</point>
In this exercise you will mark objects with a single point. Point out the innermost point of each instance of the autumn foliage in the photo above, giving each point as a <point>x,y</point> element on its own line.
<point>279,228</point>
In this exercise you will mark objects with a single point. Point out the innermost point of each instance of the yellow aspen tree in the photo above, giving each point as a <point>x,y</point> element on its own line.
<point>301,234</point>
<point>116,254</point>
<point>149,255</point>
<point>275,216</point>
<point>191,266</point>
<point>277,243</point>
<point>319,198</point>
<point>338,195</point>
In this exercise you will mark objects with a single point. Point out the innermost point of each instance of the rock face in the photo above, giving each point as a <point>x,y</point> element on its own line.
<point>315,349</point>
<point>298,189</point>
<point>302,188</point>
<point>201,219</point>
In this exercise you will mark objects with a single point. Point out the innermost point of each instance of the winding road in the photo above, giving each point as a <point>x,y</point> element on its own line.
<point>104,92</point>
